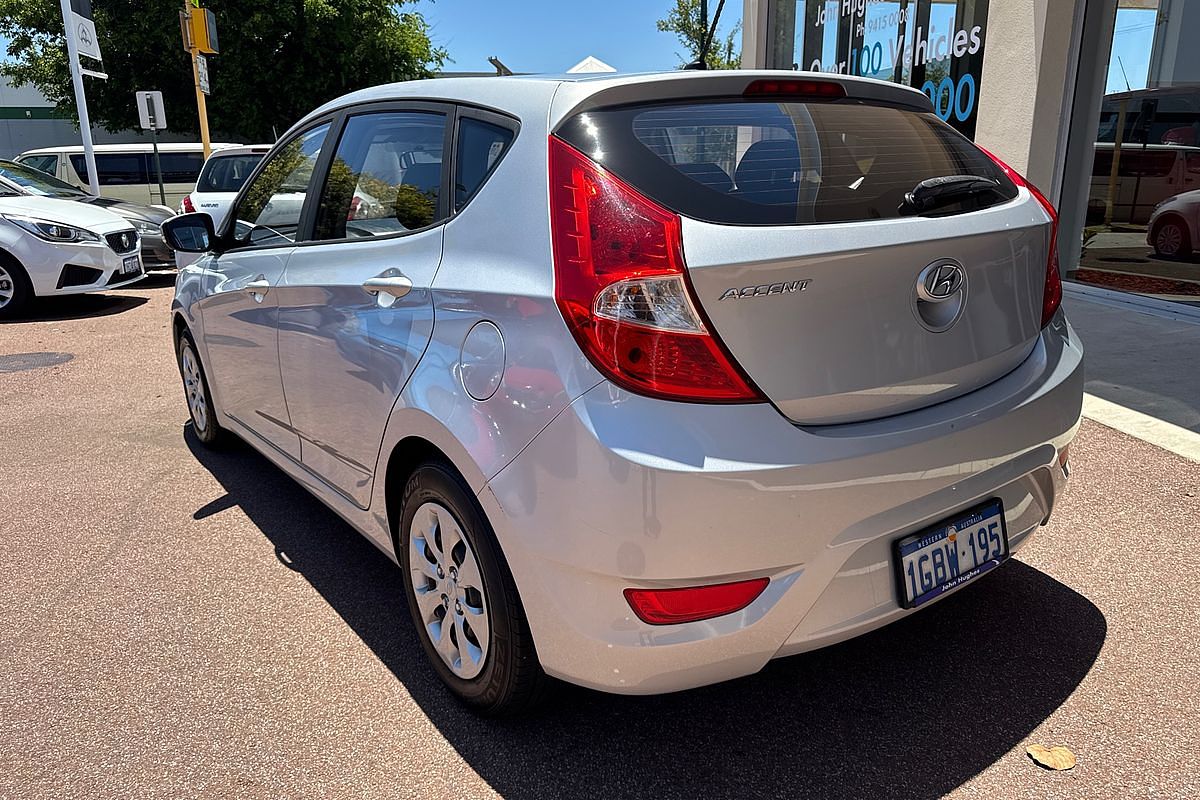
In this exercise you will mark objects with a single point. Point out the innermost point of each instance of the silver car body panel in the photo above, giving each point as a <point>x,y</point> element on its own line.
<point>591,489</point>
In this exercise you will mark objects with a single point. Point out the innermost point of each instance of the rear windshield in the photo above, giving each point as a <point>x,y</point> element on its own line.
<point>779,163</point>
<point>227,173</point>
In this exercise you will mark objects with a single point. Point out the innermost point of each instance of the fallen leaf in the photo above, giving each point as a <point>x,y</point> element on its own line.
<point>1056,758</point>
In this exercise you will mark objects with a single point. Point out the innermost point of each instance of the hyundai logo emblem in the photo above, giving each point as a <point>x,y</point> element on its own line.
<point>940,281</point>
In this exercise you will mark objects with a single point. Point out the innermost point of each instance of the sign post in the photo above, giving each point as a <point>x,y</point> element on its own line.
<point>81,37</point>
<point>152,117</point>
<point>199,28</point>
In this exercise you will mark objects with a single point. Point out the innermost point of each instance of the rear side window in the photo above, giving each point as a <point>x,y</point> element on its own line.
<point>177,167</point>
<point>48,164</point>
<point>480,147</point>
<point>115,169</point>
<point>778,163</point>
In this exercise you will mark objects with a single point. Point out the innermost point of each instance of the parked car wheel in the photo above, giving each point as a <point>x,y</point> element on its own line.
<point>15,290</point>
<point>1171,239</point>
<point>462,597</point>
<point>199,399</point>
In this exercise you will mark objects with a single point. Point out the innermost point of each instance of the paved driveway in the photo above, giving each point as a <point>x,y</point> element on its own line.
<point>178,623</point>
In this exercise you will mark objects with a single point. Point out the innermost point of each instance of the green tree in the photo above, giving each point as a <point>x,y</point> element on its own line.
<point>279,59</point>
<point>688,20</point>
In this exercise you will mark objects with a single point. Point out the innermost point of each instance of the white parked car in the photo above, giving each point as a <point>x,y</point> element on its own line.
<point>1174,228</point>
<point>52,247</point>
<point>222,178</point>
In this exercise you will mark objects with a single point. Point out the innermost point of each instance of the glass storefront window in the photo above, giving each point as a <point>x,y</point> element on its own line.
<point>933,45</point>
<point>1143,214</point>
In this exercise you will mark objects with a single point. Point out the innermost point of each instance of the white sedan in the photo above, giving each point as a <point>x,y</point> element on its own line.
<point>52,247</point>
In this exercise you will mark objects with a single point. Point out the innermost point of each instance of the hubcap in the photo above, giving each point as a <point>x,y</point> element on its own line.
<point>1170,239</point>
<point>6,287</point>
<point>448,586</point>
<point>193,387</point>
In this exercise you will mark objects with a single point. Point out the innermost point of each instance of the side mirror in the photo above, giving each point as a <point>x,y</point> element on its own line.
<point>190,233</point>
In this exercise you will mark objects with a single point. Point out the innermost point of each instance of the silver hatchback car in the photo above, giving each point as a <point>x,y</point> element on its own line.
<point>642,380</point>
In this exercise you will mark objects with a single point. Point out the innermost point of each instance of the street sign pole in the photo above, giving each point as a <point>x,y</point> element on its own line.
<point>85,125</point>
<point>162,193</point>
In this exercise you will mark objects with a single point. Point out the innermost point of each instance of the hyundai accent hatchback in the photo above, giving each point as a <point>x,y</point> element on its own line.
<point>643,381</point>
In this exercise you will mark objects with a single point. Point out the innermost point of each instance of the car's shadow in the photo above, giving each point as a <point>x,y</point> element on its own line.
<point>76,306</point>
<point>912,710</point>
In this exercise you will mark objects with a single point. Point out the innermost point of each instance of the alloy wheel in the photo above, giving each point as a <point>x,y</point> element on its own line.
<point>7,287</point>
<point>448,585</point>
<point>1169,239</point>
<point>193,386</point>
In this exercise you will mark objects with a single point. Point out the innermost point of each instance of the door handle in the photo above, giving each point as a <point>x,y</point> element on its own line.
<point>258,287</point>
<point>395,286</point>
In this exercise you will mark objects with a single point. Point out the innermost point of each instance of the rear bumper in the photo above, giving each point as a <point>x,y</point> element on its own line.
<point>624,491</point>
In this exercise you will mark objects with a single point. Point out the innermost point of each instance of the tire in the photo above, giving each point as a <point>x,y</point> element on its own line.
<point>15,289</point>
<point>199,399</point>
<point>1171,239</point>
<point>486,657</point>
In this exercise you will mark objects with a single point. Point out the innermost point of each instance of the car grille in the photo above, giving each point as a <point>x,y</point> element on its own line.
<point>123,241</point>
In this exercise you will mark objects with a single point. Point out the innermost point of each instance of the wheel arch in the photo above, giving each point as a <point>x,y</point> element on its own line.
<point>1177,217</point>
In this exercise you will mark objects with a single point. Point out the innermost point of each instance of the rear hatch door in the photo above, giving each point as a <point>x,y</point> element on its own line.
<point>840,298</point>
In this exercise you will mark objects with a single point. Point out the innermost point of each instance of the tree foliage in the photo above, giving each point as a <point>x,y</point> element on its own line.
<point>279,59</point>
<point>686,21</point>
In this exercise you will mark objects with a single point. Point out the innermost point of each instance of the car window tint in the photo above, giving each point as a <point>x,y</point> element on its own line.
<point>177,167</point>
<point>269,212</point>
<point>385,177</point>
<point>115,169</point>
<point>227,173</point>
<point>480,147</point>
<point>48,164</point>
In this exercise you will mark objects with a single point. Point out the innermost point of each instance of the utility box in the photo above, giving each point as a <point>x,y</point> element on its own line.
<point>203,29</point>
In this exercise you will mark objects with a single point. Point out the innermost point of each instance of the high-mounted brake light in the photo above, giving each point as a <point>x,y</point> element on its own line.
<point>825,90</point>
<point>693,603</point>
<point>1052,294</point>
<point>620,284</point>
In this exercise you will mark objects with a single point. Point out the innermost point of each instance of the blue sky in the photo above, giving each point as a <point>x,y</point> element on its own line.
<point>552,35</point>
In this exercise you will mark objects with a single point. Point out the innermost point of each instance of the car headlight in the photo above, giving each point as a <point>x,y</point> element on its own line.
<point>146,228</point>
<point>52,231</point>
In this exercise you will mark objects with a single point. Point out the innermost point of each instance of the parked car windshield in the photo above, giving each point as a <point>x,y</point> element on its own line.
<point>36,181</point>
<point>227,173</point>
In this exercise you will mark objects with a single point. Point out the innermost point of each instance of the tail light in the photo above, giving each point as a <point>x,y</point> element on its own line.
<point>1052,294</point>
<point>807,89</point>
<point>693,603</point>
<point>186,206</point>
<point>620,283</point>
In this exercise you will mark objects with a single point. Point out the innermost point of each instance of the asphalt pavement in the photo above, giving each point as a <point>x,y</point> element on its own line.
<point>180,623</point>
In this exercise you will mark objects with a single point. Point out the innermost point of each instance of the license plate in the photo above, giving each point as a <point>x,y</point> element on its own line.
<point>947,555</point>
<point>131,264</point>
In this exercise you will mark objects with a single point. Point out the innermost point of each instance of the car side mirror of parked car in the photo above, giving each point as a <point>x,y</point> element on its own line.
<point>190,233</point>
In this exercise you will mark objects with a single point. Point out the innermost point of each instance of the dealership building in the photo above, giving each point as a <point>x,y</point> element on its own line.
<point>1026,79</point>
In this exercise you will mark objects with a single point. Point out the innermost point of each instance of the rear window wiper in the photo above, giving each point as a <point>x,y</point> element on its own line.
<point>952,194</point>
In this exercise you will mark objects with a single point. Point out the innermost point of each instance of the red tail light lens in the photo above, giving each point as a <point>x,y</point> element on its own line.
<point>1052,294</point>
<point>186,206</point>
<point>620,284</point>
<point>672,606</point>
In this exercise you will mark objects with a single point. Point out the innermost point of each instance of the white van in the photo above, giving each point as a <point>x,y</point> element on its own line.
<point>126,171</point>
<point>1147,175</point>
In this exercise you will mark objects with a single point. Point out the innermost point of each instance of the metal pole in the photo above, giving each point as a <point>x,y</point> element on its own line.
<point>85,125</point>
<point>162,193</point>
<point>200,106</point>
